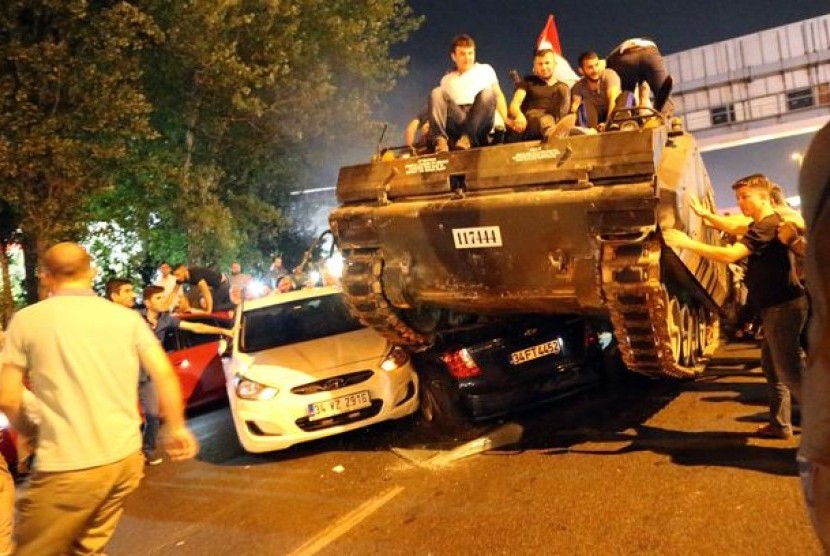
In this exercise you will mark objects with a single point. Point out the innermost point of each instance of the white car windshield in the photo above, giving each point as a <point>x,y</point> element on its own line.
<point>297,321</point>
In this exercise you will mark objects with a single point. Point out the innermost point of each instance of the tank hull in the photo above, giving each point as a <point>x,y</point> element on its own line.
<point>568,227</point>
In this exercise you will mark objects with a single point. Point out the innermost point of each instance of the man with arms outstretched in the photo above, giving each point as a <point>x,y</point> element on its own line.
<point>780,301</point>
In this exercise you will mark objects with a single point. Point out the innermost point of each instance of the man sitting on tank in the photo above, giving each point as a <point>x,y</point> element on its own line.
<point>416,133</point>
<point>462,108</point>
<point>595,96</point>
<point>541,104</point>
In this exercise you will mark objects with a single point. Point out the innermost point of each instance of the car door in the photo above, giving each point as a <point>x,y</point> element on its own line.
<point>197,363</point>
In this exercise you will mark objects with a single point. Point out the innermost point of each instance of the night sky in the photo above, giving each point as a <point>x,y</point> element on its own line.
<point>505,33</point>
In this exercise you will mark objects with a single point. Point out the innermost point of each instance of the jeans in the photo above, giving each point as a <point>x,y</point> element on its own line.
<point>591,114</point>
<point>643,64</point>
<point>782,359</point>
<point>148,399</point>
<point>451,121</point>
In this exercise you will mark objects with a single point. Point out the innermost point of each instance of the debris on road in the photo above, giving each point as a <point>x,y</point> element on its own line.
<point>505,435</point>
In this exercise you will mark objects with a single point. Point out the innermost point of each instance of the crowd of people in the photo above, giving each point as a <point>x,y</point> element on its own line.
<point>775,243</point>
<point>190,289</point>
<point>469,109</point>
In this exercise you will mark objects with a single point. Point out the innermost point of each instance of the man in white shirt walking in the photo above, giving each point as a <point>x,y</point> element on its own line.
<point>81,355</point>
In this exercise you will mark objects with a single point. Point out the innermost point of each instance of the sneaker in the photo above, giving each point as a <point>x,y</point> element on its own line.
<point>463,143</point>
<point>546,124</point>
<point>441,145</point>
<point>772,431</point>
<point>562,129</point>
<point>152,460</point>
<point>582,131</point>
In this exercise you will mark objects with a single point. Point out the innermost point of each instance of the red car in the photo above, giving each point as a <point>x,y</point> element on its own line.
<point>8,443</point>
<point>196,360</point>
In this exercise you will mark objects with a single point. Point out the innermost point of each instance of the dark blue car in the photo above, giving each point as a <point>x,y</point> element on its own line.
<point>490,368</point>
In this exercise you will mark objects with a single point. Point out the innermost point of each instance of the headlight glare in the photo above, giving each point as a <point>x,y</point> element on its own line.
<point>396,358</point>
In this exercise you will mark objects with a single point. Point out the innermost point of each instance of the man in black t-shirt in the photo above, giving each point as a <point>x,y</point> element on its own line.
<point>597,94</point>
<point>540,102</point>
<point>214,287</point>
<point>780,301</point>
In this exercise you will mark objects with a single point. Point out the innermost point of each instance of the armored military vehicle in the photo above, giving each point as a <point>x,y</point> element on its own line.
<point>563,227</point>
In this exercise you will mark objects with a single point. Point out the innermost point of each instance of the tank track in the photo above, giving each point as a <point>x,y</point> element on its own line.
<point>637,301</point>
<point>361,282</point>
<point>641,308</point>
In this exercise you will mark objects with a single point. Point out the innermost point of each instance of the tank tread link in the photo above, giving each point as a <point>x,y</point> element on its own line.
<point>562,228</point>
<point>644,315</point>
<point>362,286</point>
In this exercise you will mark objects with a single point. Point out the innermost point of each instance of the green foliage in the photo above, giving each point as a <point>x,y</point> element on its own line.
<point>117,253</point>
<point>71,100</point>
<point>186,122</point>
<point>253,97</point>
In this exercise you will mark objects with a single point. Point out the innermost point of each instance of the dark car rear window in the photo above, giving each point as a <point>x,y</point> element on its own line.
<point>299,321</point>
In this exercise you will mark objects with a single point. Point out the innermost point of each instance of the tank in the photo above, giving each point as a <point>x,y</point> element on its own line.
<point>563,227</point>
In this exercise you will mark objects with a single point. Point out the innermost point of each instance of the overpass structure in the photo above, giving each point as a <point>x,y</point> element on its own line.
<point>766,85</point>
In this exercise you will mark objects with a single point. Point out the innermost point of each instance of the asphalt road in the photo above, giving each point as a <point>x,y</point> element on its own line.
<point>651,467</point>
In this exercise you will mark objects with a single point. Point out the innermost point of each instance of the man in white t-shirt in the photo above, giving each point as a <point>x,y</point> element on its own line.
<point>81,355</point>
<point>463,108</point>
<point>167,281</point>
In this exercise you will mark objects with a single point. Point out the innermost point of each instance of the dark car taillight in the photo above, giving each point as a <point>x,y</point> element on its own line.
<point>591,337</point>
<point>461,364</point>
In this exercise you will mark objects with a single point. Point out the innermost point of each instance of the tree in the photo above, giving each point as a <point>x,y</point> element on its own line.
<point>71,103</point>
<point>252,94</point>
<point>187,122</point>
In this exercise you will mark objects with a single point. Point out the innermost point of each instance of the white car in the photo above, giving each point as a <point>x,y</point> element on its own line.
<point>303,368</point>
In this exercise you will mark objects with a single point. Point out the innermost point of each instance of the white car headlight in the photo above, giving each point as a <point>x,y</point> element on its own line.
<point>395,359</point>
<point>247,389</point>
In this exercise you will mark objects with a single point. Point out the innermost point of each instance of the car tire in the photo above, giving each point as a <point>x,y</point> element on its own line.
<point>439,403</point>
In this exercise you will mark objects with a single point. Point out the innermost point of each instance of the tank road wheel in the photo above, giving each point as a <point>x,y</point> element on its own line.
<point>708,325</point>
<point>700,324</point>
<point>675,326</point>
<point>690,332</point>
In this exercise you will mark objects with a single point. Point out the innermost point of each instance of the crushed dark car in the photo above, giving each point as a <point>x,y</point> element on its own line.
<point>494,367</point>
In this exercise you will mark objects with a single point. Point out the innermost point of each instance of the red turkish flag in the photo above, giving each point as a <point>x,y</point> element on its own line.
<point>549,37</point>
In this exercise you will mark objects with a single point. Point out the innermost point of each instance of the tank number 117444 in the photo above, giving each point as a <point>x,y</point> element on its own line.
<point>478,237</point>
